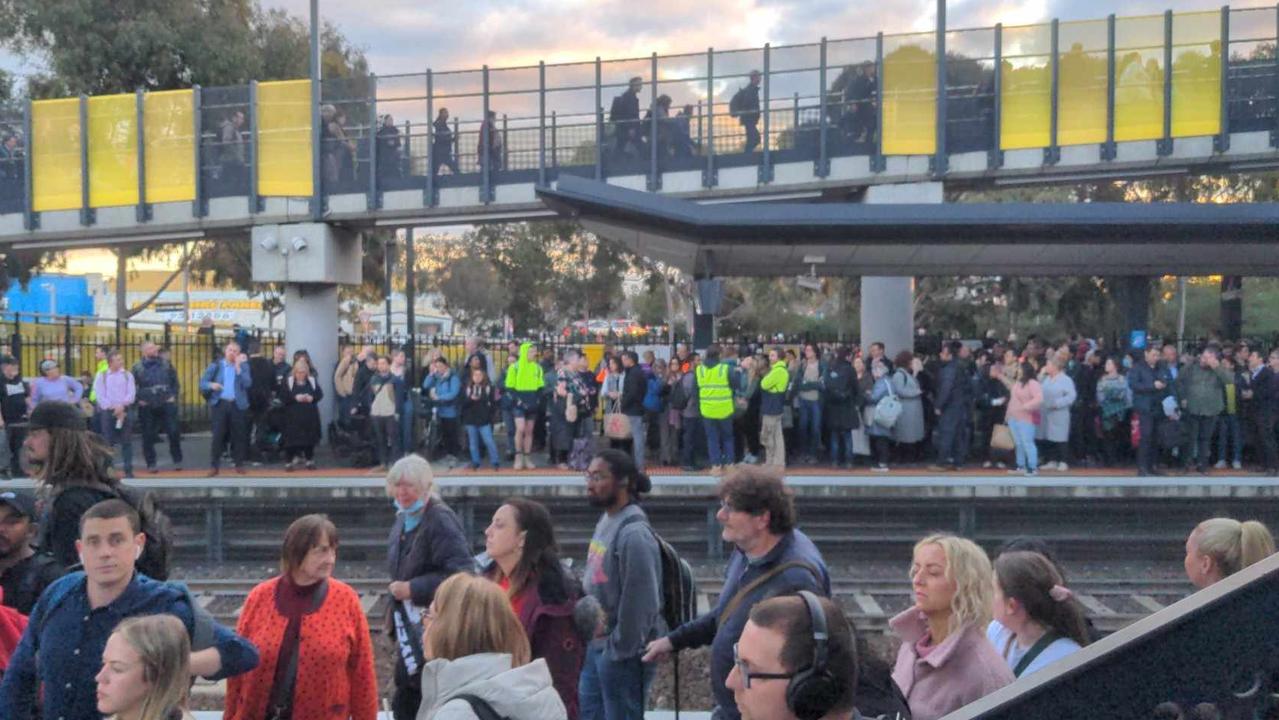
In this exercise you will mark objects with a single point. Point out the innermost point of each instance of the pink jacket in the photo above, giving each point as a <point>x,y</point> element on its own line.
<point>963,669</point>
<point>1024,402</point>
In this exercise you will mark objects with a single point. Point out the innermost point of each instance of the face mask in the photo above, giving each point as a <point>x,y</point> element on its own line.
<point>412,514</point>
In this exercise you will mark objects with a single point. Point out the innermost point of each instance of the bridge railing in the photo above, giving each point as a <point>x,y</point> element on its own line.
<point>1034,89</point>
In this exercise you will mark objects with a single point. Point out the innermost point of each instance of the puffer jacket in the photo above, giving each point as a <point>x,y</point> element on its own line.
<point>522,693</point>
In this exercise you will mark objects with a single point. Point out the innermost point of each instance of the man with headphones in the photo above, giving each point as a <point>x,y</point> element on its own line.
<point>796,660</point>
<point>61,649</point>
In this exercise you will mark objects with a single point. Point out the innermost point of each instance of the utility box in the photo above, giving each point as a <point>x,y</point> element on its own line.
<point>306,253</point>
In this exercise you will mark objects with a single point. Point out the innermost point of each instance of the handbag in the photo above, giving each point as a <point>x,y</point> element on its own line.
<point>888,409</point>
<point>1001,437</point>
<point>616,425</point>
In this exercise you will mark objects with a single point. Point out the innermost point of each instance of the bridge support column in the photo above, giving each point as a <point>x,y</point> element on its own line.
<point>1132,297</point>
<point>888,303</point>
<point>710,293</point>
<point>311,260</point>
<point>310,323</point>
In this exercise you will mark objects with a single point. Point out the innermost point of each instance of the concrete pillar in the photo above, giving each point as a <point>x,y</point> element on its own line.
<point>1132,297</point>
<point>1231,307</point>
<point>708,298</point>
<point>310,314</point>
<point>888,303</point>
<point>310,260</point>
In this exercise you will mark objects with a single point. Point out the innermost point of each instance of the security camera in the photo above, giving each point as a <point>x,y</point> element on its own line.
<point>268,243</point>
<point>299,244</point>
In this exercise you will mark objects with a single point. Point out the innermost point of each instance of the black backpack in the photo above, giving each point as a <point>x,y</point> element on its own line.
<point>737,105</point>
<point>679,587</point>
<point>679,396</point>
<point>156,525</point>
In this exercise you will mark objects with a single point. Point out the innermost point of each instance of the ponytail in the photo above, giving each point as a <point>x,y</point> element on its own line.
<point>1255,543</point>
<point>1035,583</point>
<point>1233,545</point>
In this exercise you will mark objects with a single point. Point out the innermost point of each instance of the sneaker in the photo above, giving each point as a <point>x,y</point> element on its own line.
<point>1032,473</point>
<point>1220,465</point>
<point>310,464</point>
<point>749,459</point>
<point>986,465</point>
<point>880,468</point>
<point>1000,465</point>
<point>1236,465</point>
<point>1062,467</point>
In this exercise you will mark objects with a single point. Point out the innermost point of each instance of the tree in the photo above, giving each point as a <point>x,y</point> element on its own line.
<point>472,291</point>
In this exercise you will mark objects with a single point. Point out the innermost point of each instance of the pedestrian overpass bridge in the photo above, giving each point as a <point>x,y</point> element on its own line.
<point>1114,97</point>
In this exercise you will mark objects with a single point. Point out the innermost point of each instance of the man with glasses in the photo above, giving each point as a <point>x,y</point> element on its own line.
<point>771,557</point>
<point>779,644</point>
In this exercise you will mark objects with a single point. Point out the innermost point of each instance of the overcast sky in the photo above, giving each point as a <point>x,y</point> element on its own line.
<point>404,36</point>
<point>407,36</point>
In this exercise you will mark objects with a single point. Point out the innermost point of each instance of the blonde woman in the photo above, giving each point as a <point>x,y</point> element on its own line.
<point>945,660</point>
<point>145,670</point>
<point>477,647</point>
<point>1221,547</point>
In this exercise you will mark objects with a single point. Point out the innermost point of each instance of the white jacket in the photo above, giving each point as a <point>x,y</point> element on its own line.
<point>522,693</point>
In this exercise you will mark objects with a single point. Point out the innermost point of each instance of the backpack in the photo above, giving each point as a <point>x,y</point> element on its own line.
<point>737,105</point>
<point>679,396</point>
<point>652,395</point>
<point>156,525</point>
<point>889,408</point>
<point>479,706</point>
<point>679,586</point>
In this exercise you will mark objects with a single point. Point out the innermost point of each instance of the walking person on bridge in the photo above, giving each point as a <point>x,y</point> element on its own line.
<point>225,384</point>
<point>442,144</point>
<point>770,557</point>
<point>745,107</point>
<point>158,391</point>
<point>622,580</point>
<point>74,618</point>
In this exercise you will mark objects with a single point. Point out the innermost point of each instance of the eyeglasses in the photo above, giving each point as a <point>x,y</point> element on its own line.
<point>747,675</point>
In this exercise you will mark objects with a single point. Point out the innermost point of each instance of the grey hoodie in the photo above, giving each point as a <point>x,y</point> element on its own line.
<point>624,573</point>
<point>522,693</point>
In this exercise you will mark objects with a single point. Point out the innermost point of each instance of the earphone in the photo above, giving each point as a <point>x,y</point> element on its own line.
<point>814,690</point>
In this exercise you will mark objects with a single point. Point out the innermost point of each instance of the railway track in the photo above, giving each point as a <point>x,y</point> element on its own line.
<point>1111,603</point>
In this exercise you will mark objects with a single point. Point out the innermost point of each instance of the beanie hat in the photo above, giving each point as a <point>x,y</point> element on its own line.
<point>52,414</point>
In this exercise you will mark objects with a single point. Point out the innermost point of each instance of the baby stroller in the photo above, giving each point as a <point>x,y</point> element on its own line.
<point>351,438</point>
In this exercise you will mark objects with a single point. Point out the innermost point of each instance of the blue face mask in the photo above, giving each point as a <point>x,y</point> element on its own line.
<point>412,514</point>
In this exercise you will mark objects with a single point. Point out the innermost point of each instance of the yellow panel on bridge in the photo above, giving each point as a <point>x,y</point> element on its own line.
<point>1196,74</point>
<point>1025,87</point>
<point>55,154</point>
<point>910,94</point>
<point>284,138</point>
<point>169,123</point>
<point>1139,78</point>
<point>1081,82</point>
<point>113,150</point>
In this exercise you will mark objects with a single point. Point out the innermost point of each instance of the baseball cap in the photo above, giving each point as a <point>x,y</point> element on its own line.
<point>22,501</point>
<point>56,414</point>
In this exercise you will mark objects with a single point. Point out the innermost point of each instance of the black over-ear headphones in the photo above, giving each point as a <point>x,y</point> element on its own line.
<point>813,691</point>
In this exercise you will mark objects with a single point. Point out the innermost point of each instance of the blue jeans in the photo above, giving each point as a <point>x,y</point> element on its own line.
<point>1230,438</point>
<point>476,433</point>
<point>810,426</point>
<point>1024,440</point>
<point>719,440</point>
<point>612,689</point>
<point>692,430</point>
<point>839,446</point>
<point>122,436</point>
<point>406,424</point>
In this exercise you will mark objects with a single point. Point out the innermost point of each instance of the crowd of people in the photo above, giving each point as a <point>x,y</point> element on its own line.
<point>514,632</point>
<point>1021,408</point>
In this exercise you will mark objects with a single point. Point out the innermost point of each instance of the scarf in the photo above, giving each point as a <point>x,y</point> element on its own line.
<point>412,514</point>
